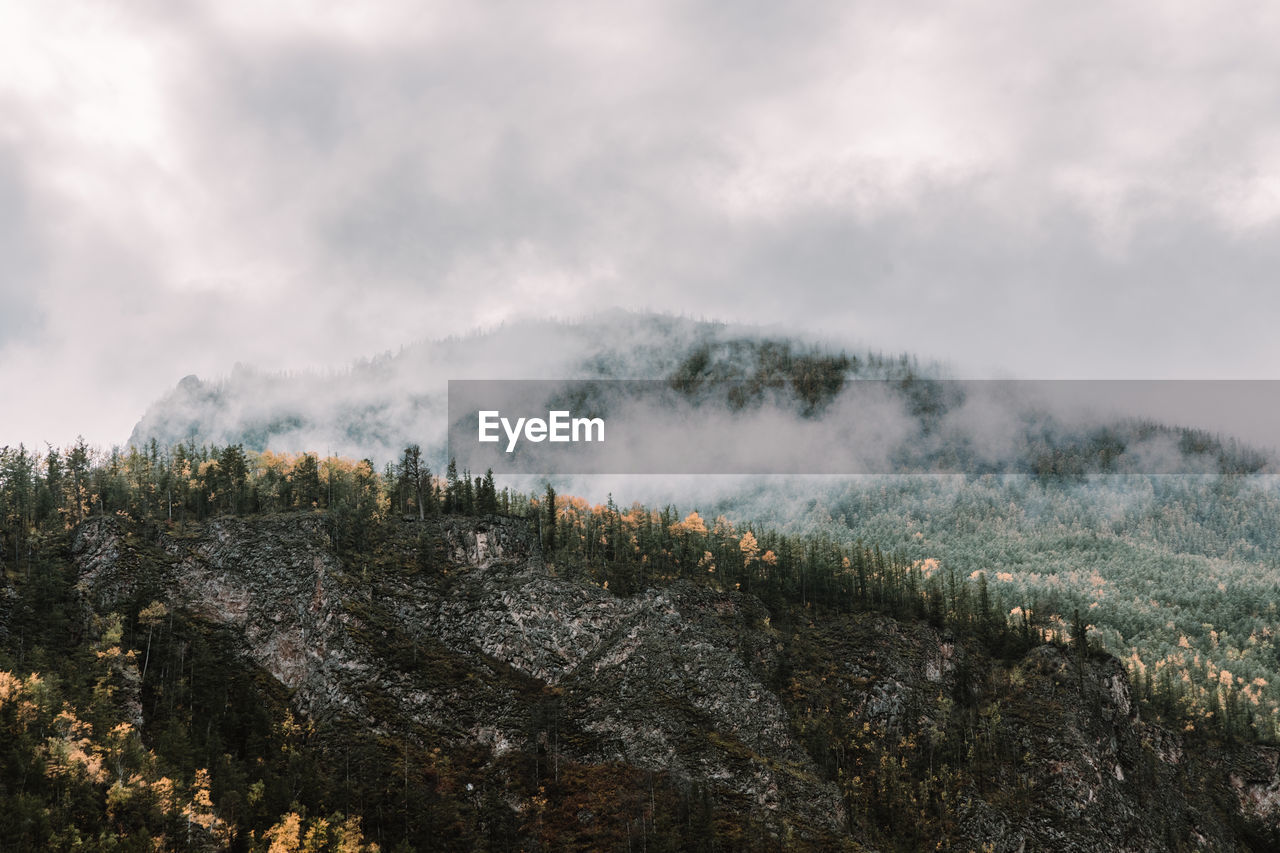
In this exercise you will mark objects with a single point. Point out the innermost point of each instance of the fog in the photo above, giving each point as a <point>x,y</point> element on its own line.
<point>884,414</point>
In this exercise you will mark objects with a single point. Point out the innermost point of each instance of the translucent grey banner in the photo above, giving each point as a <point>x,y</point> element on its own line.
<point>831,425</point>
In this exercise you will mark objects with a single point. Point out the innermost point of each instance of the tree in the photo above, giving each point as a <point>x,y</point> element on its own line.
<point>488,494</point>
<point>452,490</point>
<point>306,481</point>
<point>1079,634</point>
<point>78,462</point>
<point>233,472</point>
<point>549,527</point>
<point>17,499</point>
<point>413,479</point>
<point>985,617</point>
<point>468,493</point>
<point>52,493</point>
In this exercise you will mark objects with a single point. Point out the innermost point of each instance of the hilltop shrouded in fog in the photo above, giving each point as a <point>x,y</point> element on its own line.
<point>379,406</point>
<point>757,400</point>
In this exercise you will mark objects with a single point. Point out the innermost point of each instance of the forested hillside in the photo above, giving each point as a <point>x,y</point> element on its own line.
<point>1177,576</point>
<point>209,646</point>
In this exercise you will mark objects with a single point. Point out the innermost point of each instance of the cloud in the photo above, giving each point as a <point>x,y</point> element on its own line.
<point>20,261</point>
<point>1034,189</point>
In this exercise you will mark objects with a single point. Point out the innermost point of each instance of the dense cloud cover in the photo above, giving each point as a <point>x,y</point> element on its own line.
<point>1025,188</point>
<point>683,397</point>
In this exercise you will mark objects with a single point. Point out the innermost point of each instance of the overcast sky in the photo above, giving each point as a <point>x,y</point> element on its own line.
<point>1035,189</point>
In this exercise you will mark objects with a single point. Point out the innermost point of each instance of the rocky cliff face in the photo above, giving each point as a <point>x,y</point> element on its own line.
<point>460,635</point>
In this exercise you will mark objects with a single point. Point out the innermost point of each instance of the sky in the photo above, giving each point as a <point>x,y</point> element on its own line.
<point>1028,189</point>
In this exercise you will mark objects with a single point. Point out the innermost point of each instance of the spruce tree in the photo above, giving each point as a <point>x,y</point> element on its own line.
<point>549,534</point>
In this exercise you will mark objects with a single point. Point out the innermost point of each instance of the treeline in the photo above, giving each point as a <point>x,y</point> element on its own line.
<point>626,551</point>
<point>52,491</point>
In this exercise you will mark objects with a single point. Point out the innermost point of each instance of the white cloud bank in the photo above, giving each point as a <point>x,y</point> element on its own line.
<point>1041,189</point>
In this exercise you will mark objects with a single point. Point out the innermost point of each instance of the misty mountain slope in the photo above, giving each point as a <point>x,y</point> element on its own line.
<point>377,407</point>
<point>736,394</point>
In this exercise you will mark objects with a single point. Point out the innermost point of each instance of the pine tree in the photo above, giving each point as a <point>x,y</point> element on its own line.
<point>549,531</point>
<point>78,462</point>
<point>488,494</point>
<point>452,493</point>
<point>986,620</point>
<point>233,473</point>
<point>1080,640</point>
<point>411,479</point>
<point>306,481</point>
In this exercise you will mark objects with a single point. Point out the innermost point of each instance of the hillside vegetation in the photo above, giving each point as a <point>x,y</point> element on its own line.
<point>210,647</point>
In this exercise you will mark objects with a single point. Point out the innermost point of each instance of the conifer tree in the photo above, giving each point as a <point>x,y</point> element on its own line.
<point>452,492</point>
<point>412,478</point>
<point>549,530</point>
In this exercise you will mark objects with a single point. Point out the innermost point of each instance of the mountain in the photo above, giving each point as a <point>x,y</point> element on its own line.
<point>722,400</point>
<point>377,407</point>
<point>1034,640</point>
<point>242,681</point>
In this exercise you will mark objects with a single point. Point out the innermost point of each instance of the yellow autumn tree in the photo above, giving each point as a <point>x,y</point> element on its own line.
<point>285,836</point>
<point>9,687</point>
<point>293,833</point>
<point>750,549</point>
<point>692,524</point>
<point>199,812</point>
